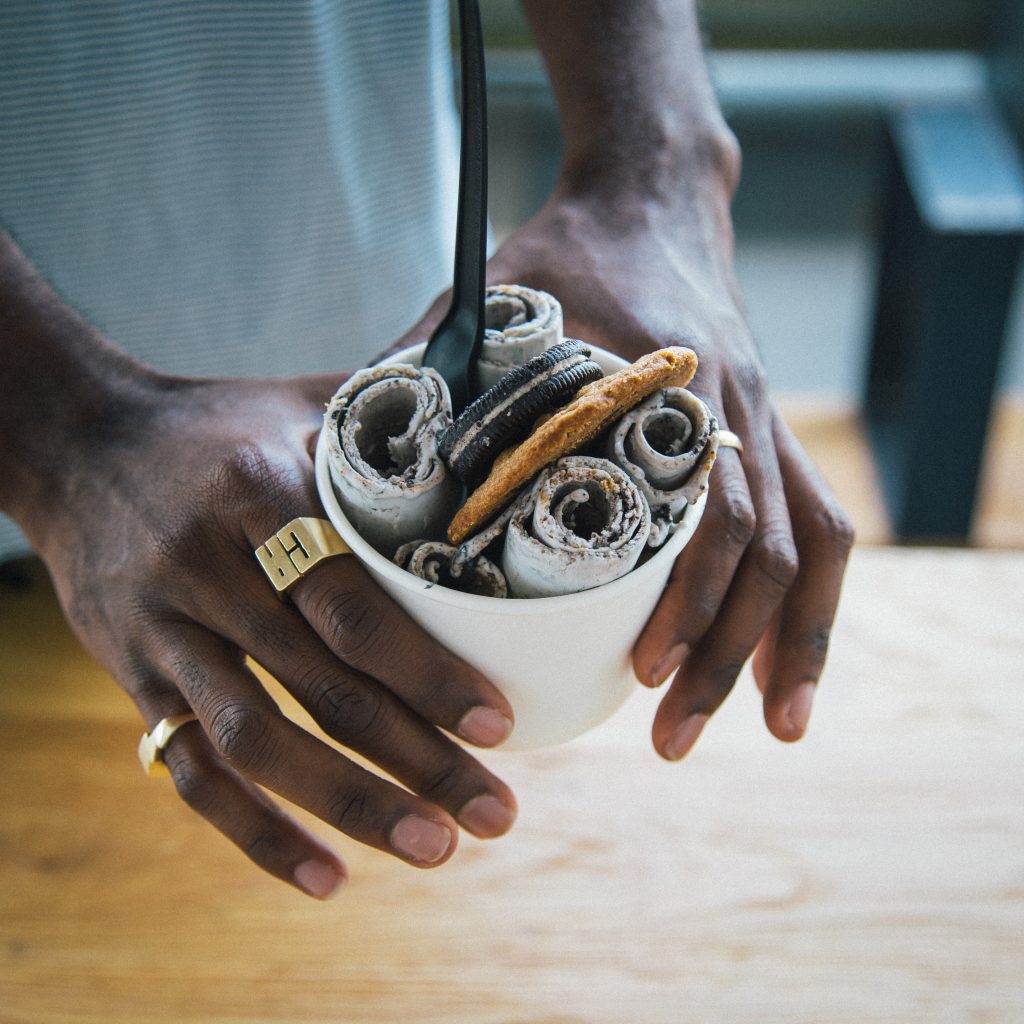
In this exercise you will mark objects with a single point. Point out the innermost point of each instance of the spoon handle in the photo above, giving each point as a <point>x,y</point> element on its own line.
<point>454,347</point>
<point>471,230</point>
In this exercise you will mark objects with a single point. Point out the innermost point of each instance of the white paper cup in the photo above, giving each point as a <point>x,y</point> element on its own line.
<point>564,663</point>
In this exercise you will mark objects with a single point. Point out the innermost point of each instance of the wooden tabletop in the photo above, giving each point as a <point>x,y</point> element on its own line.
<point>872,873</point>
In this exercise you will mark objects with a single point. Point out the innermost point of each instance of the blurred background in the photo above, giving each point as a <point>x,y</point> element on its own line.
<point>808,88</point>
<point>811,90</point>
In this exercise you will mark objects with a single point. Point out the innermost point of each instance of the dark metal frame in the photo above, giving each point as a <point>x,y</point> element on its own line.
<point>951,242</point>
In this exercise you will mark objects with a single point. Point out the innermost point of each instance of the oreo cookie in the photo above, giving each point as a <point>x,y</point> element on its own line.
<point>507,412</point>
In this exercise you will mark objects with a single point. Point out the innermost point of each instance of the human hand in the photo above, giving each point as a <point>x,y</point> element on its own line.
<point>764,571</point>
<point>155,515</point>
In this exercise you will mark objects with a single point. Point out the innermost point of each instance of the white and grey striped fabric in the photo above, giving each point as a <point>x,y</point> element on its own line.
<point>232,186</point>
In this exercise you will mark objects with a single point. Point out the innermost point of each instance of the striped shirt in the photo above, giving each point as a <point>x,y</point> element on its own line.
<point>232,186</point>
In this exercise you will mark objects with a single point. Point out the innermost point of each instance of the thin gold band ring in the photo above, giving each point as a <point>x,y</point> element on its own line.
<point>727,439</point>
<point>152,744</point>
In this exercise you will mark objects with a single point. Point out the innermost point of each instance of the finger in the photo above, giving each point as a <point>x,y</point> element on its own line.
<point>367,717</point>
<point>766,571</point>
<point>700,577</point>
<point>253,738</point>
<point>269,837</point>
<point>369,631</point>
<point>355,707</point>
<point>241,811</point>
<point>793,661</point>
<point>765,652</point>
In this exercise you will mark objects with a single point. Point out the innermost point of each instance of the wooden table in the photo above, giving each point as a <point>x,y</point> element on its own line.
<point>873,872</point>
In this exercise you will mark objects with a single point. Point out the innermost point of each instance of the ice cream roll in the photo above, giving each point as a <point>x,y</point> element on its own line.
<point>581,524</point>
<point>381,429</point>
<point>667,445</point>
<point>508,411</point>
<point>432,561</point>
<point>519,323</point>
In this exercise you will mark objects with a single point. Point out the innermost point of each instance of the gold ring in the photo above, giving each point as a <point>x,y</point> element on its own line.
<point>727,439</point>
<point>152,744</point>
<point>296,548</point>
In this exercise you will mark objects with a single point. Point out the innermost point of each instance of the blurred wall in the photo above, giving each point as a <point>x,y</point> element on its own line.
<point>806,213</point>
<point>772,24</point>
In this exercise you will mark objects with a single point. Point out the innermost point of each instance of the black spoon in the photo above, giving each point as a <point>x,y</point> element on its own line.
<point>454,347</point>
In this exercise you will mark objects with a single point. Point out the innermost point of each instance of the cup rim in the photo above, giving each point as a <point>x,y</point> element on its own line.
<point>376,562</point>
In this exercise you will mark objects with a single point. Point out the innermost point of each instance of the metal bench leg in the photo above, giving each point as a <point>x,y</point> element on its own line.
<point>949,251</point>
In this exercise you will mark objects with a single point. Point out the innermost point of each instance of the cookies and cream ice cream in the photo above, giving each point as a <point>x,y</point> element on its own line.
<point>581,524</point>
<point>382,428</point>
<point>667,445</point>
<point>570,486</point>
<point>519,323</point>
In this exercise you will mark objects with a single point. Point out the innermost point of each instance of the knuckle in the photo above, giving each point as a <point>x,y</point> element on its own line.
<point>695,614</point>
<point>246,479</point>
<point>356,629</point>
<point>836,526</point>
<point>349,710</point>
<point>441,782</point>
<point>815,642</point>
<point>263,848</point>
<point>706,607</point>
<point>193,785</point>
<point>723,676</point>
<point>739,520</point>
<point>776,559</point>
<point>746,384</point>
<point>241,735</point>
<point>752,381</point>
<point>349,811</point>
<point>191,675</point>
<point>180,540</point>
<point>247,467</point>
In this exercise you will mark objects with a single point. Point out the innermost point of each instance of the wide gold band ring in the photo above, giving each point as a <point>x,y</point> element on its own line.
<point>296,548</point>
<point>152,744</point>
<point>727,439</point>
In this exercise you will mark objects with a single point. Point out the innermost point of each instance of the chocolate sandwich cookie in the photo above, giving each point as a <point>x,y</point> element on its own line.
<point>507,412</point>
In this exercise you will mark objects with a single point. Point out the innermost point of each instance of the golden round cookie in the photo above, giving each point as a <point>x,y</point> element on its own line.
<point>593,408</point>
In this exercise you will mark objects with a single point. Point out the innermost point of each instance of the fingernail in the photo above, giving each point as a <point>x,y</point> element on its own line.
<point>318,879</point>
<point>798,713</point>
<point>484,726</point>
<point>486,816</point>
<point>684,737</point>
<point>669,663</point>
<point>421,840</point>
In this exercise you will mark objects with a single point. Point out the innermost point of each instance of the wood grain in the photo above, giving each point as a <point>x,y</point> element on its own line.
<point>834,438</point>
<point>872,873</point>
<point>1000,516</point>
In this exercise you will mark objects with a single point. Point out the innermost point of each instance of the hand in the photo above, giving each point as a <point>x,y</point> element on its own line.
<point>765,568</point>
<point>151,552</point>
